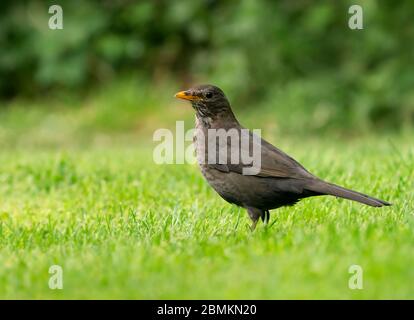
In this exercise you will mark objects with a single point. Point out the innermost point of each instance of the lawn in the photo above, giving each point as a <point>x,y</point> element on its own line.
<point>121,226</point>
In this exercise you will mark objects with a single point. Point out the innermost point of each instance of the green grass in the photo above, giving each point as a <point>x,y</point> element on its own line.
<point>78,188</point>
<point>122,227</point>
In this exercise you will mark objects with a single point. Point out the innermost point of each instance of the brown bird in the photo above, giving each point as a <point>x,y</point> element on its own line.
<point>278,181</point>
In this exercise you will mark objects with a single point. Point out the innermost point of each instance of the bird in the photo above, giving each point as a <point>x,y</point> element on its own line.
<point>279,181</point>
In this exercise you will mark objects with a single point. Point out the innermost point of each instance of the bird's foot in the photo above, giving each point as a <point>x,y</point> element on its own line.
<point>255,214</point>
<point>253,225</point>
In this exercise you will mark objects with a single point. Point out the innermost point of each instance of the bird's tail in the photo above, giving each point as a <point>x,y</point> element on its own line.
<point>326,188</point>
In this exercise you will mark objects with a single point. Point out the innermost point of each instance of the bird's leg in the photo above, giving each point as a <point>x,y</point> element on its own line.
<point>254,214</point>
<point>265,215</point>
<point>253,225</point>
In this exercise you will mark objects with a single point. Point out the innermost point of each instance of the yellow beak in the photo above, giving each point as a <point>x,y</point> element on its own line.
<point>186,96</point>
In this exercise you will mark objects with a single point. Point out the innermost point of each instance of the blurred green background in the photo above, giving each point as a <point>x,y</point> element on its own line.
<point>294,65</point>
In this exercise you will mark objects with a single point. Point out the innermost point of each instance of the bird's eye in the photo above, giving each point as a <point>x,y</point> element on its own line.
<point>209,95</point>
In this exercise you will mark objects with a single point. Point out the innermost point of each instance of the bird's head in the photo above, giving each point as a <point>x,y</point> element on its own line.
<point>207,100</point>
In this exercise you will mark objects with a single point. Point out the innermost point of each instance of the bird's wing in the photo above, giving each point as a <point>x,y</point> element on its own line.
<point>268,160</point>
